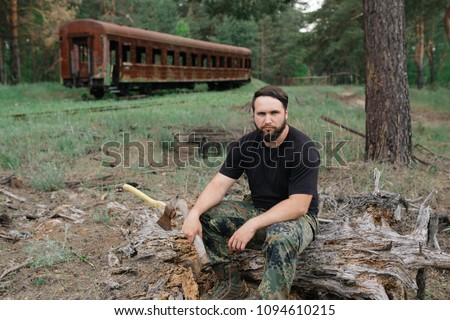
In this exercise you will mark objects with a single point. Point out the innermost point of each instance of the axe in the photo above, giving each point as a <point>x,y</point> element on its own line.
<point>165,221</point>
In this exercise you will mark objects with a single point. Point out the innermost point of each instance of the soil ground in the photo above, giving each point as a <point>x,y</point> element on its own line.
<point>88,243</point>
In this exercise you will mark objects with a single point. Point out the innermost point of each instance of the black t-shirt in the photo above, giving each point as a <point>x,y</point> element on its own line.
<point>275,173</point>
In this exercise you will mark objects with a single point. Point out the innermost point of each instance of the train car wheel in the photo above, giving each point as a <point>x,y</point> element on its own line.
<point>212,86</point>
<point>98,93</point>
<point>124,91</point>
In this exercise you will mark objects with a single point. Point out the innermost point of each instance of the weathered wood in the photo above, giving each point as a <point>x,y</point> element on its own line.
<point>363,254</point>
<point>328,119</point>
<point>422,149</point>
<point>15,268</point>
<point>12,195</point>
<point>205,138</point>
<point>100,181</point>
<point>7,179</point>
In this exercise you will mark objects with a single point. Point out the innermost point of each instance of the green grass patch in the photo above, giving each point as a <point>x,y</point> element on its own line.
<point>47,252</point>
<point>102,216</point>
<point>437,99</point>
<point>48,147</point>
<point>49,177</point>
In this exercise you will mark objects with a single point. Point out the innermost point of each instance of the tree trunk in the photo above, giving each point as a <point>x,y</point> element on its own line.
<point>1,60</point>
<point>447,23</point>
<point>109,8</point>
<point>420,49</point>
<point>263,52</point>
<point>388,121</point>
<point>15,56</point>
<point>430,56</point>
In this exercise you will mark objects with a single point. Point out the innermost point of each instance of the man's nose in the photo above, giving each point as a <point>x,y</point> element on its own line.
<point>268,119</point>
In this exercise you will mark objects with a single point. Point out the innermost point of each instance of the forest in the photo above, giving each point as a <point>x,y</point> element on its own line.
<point>287,40</point>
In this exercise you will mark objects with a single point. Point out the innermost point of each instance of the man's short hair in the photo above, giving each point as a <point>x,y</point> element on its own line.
<point>274,92</point>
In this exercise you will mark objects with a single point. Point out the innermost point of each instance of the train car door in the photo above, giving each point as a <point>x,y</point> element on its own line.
<point>114,62</point>
<point>80,57</point>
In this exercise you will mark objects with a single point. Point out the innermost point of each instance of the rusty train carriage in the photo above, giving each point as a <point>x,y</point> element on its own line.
<point>104,56</point>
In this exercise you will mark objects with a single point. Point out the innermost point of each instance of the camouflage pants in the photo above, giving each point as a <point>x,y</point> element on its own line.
<point>281,243</point>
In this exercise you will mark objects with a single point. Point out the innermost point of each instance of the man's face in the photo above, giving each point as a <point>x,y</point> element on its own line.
<point>269,117</point>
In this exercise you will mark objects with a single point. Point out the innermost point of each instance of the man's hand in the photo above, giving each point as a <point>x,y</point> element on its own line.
<point>192,227</point>
<point>242,236</point>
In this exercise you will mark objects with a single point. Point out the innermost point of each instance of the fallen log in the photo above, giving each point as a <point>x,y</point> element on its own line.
<point>364,254</point>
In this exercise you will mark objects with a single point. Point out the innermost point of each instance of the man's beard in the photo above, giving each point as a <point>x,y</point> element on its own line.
<point>271,136</point>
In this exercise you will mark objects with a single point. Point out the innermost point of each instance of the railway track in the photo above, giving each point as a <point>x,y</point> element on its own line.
<point>19,116</point>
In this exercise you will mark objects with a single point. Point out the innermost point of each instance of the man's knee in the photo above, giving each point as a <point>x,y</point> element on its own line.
<point>212,214</point>
<point>282,239</point>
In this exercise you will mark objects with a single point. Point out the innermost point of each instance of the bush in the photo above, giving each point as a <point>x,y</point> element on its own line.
<point>48,178</point>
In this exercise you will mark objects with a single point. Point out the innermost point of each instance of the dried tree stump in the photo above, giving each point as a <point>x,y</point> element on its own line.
<point>363,254</point>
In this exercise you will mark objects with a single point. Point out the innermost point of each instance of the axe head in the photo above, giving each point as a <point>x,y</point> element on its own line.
<point>165,221</point>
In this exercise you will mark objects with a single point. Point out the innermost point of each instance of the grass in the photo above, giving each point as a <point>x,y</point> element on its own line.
<point>38,281</point>
<point>49,177</point>
<point>47,252</point>
<point>436,99</point>
<point>47,149</point>
<point>102,216</point>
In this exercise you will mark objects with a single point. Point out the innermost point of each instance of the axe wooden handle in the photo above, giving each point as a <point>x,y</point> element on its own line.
<point>198,242</point>
<point>154,203</point>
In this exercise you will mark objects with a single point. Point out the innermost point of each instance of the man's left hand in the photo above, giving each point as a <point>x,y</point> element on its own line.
<point>242,236</point>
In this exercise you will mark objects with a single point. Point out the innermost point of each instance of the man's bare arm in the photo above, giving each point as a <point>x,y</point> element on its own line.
<point>211,195</point>
<point>290,209</point>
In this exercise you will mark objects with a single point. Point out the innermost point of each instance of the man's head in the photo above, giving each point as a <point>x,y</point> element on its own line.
<point>274,92</point>
<point>270,113</point>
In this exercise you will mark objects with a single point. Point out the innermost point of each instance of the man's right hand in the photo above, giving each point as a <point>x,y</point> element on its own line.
<point>212,195</point>
<point>192,227</point>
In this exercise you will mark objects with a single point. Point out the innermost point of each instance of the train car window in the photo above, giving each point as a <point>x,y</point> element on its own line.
<point>170,57</point>
<point>126,53</point>
<point>156,59</point>
<point>213,62</point>
<point>183,58</point>
<point>235,63</point>
<point>222,62</point>
<point>194,60</point>
<point>229,62</point>
<point>204,61</point>
<point>83,53</point>
<point>141,55</point>
<point>112,56</point>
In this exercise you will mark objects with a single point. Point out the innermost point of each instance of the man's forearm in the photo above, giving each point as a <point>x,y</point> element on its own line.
<point>289,209</point>
<point>207,199</point>
<point>212,194</point>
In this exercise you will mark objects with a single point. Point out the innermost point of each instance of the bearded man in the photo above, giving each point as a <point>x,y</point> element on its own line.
<point>282,165</point>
